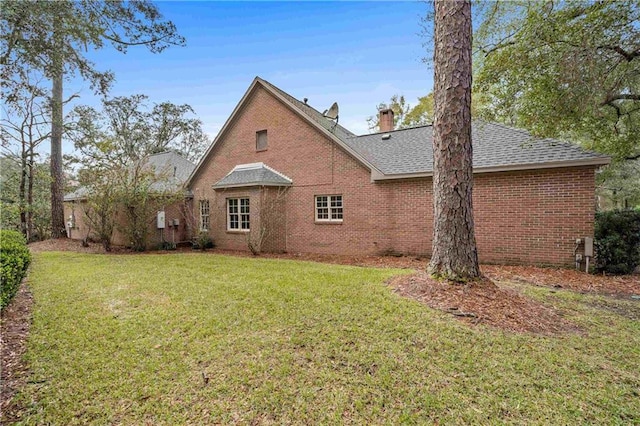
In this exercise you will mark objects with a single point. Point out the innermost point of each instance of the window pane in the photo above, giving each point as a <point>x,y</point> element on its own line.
<point>245,221</point>
<point>244,205</point>
<point>321,202</point>
<point>204,214</point>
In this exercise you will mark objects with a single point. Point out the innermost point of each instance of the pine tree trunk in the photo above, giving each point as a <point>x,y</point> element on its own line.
<point>57,177</point>
<point>455,256</point>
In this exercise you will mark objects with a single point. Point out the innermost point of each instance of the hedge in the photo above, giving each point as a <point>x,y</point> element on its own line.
<point>617,241</point>
<point>14,260</point>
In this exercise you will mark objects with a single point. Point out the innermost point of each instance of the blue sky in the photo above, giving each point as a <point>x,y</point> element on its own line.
<point>356,53</point>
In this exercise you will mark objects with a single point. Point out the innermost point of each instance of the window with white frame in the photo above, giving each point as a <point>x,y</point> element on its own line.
<point>204,215</point>
<point>238,214</point>
<point>329,208</point>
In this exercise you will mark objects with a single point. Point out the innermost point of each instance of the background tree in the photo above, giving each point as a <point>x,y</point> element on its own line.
<point>128,129</point>
<point>564,69</point>
<point>404,115</point>
<point>620,186</point>
<point>142,191</point>
<point>114,145</point>
<point>397,104</point>
<point>455,256</point>
<point>51,37</point>
<point>38,205</point>
<point>420,114</point>
<point>25,124</point>
<point>101,201</point>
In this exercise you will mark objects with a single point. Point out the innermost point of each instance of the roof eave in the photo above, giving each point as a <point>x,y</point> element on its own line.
<point>321,129</point>
<point>249,185</point>
<point>222,131</point>
<point>70,199</point>
<point>601,161</point>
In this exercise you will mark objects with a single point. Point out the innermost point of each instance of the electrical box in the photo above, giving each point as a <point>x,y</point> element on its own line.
<point>161,220</point>
<point>176,222</point>
<point>588,246</point>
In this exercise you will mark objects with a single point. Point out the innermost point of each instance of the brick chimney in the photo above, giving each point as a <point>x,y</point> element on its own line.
<point>385,118</point>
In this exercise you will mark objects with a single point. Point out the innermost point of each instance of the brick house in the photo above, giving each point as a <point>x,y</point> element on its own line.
<point>284,175</point>
<point>172,171</point>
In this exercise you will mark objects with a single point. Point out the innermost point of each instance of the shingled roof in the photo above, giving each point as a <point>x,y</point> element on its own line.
<point>495,147</point>
<point>171,168</point>
<point>408,152</point>
<point>254,174</point>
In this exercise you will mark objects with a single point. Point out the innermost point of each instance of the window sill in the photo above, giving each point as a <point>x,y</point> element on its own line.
<point>328,222</point>
<point>238,231</point>
<point>261,150</point>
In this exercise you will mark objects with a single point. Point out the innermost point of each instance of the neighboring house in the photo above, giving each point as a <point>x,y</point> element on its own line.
<point>173,171</point>
<point>279,165</point>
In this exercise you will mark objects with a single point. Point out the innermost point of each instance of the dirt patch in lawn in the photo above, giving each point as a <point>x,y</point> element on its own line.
<point>569,279</point>
<point>399,262</point>
<point>16,320</point>
<point>483,302</point>
<point>65,244</point>
<point>625,309</point>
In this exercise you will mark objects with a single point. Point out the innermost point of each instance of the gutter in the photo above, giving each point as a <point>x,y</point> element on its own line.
<point>495,169</point>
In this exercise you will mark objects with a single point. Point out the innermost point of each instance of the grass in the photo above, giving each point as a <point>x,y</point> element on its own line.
<point>132,339</point>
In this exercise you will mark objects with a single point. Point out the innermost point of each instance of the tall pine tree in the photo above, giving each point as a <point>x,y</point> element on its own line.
<point>455,256</point>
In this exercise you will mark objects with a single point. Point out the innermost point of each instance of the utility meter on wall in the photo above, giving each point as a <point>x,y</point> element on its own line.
<point>161,220</point>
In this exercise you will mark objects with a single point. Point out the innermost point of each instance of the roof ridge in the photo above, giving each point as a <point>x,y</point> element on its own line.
<point>301,105</point>
<point>277,172</point>
<point>395,130</point>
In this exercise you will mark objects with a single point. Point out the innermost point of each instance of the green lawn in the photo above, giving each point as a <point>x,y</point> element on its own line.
<point>128,339</point>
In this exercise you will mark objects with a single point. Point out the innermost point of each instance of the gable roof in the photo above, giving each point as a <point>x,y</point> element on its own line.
<point>169,164</point>
<point>253,174</point>
<point>327,127</point>
<point>408,152</point>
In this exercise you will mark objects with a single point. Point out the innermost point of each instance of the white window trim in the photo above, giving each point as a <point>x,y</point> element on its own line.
<point>207,215</point>
<point>239,228</point>
<point>330,219</point>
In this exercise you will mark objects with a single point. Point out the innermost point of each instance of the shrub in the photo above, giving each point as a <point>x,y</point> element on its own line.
<point>14,260</point>
<point>617,241</point>
<point>203,242</point>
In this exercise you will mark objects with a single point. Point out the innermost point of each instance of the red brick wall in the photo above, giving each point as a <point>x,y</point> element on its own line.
<point>521,217</point>
<point>533,216</point>
<point>176,234</point>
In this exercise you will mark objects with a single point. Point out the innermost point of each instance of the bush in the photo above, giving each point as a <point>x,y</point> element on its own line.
<point>14,260</point>
<point>203,242</point>
<point>617,241</point>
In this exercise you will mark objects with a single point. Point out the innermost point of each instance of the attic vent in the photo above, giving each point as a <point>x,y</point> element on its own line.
<point>386,136</point>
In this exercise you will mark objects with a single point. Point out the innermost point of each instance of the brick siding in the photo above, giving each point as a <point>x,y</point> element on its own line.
<point>176,234</point>
<point>521,217</point>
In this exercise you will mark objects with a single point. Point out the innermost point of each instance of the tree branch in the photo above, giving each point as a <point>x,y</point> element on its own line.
<point>628,56</point>
<point>620,96</point>
<point>135,43</point>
